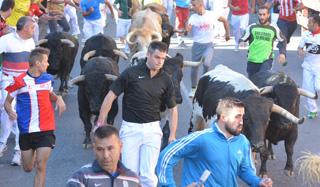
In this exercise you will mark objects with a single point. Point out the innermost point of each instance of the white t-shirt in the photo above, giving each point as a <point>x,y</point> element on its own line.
<point>312,44</point>
<point>203,26</point>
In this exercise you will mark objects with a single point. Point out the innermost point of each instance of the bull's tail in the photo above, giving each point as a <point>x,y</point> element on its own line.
<point>309,168</point>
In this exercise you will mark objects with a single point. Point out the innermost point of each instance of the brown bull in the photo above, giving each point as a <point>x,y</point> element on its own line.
<point>145,27</point>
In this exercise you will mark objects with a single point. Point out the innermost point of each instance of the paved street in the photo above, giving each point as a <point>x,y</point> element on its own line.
<point>69,155</point>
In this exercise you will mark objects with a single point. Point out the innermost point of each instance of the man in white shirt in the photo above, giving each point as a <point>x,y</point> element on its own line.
<point>203,24</point>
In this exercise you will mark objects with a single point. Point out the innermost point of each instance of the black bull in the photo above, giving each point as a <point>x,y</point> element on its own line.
<point>285,93</point>
<point>94,83</point>
<point>100,45</point>
<point>258,109</point>
<point>63,50</point>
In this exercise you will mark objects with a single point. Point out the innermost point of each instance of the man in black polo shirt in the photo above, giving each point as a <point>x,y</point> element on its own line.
<point>145,88</point>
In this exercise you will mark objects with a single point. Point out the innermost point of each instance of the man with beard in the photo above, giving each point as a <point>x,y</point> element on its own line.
<point>261,37</point>
<point>220,149</point>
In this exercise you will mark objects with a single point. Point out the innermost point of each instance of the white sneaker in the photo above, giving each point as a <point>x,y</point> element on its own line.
<point>16,160</point>
<point>236,48</point>
<point>3,148</point>
<point>192,92</point>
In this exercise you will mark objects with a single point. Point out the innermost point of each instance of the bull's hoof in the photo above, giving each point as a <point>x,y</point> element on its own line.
<point>271,157</point>
<point>289,173</point>
<point>87,143</point>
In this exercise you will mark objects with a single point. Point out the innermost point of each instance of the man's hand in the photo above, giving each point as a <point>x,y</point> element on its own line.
<point>60,105</point>
<point>227,36</point>
<point>5,30</point>
<point>236,8</point>
<point>91,9</point>
<point>12,115</point>
<point>171,138</point>
<point>194,185</point>
<point>242,44</point>
<point>301,52</point>
<point>266,182</point>
<point>282,59</point>
<point>119,13</point>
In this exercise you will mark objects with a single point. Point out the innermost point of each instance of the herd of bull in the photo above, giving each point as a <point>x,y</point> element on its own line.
<point>271,99</point>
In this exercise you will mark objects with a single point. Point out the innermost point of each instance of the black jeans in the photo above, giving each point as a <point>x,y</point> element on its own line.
<point>62,22</point>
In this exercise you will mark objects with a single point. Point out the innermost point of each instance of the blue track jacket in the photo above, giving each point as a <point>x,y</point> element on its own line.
<point>208,149</point>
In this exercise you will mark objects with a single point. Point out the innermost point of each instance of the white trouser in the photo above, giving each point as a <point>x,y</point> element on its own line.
<point>123,26</point>
<point>239,24</point>
<point>140,149</point>
<point>70,13</point>
<point>168,4</point>
<point>311,82</point>
<point>103,12</point>
<point>91,28</point>
<point>274,18</point>
<point>7,125</point>
<point>223,12</point>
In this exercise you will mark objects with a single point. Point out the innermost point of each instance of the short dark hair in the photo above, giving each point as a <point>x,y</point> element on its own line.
<point>106,131</point>
<point>6,5</point>
<point>228,103</point>
<point>264,7</point>
<point>316,18</point>
<point>37,55</point>
<point>23,21</point>
<point>157,45</point>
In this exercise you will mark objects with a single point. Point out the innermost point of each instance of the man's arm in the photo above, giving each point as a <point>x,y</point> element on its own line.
<point>110,8</point>
<point>8,107</point>
<point>282,46</point>
<point>174,123</point>
<point>60,105</point>
<point>57,1</point>
<point>105,107</point>
<point>246,36</point>
<point>235,8</point>
<point>301,45</point>
<point>188,146</point>
<point>226,26</point>
<point>247,170</point>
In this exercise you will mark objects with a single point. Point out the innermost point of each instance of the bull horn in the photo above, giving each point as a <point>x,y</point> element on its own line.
<point>42,41</point>
<point>307,93</point>
<point>111,77</point>
<point>157,35</point>
<point>67,41</point>
<point>129,35</point>
<point>193,63</point>
<point>265,90</point>
<point>138,55</point>
<point>76,79</point>
<point>120,53</point>
<point>168,56</point>
<point>89,55</point>
<point>283,112</point>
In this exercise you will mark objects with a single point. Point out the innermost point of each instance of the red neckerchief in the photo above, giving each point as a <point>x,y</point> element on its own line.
<point>316,32</point>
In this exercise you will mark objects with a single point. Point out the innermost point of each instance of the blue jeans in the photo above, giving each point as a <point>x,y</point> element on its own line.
<point>253,68</point>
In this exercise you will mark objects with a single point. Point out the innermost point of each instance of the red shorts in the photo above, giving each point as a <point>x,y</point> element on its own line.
<point>182,15</point>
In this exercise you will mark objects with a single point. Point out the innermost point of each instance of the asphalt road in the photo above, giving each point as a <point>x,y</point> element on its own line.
<point>69,155</point>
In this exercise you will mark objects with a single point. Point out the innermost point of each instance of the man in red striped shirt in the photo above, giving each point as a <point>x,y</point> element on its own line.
<point>16,48</point>
<point>287,21</point>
